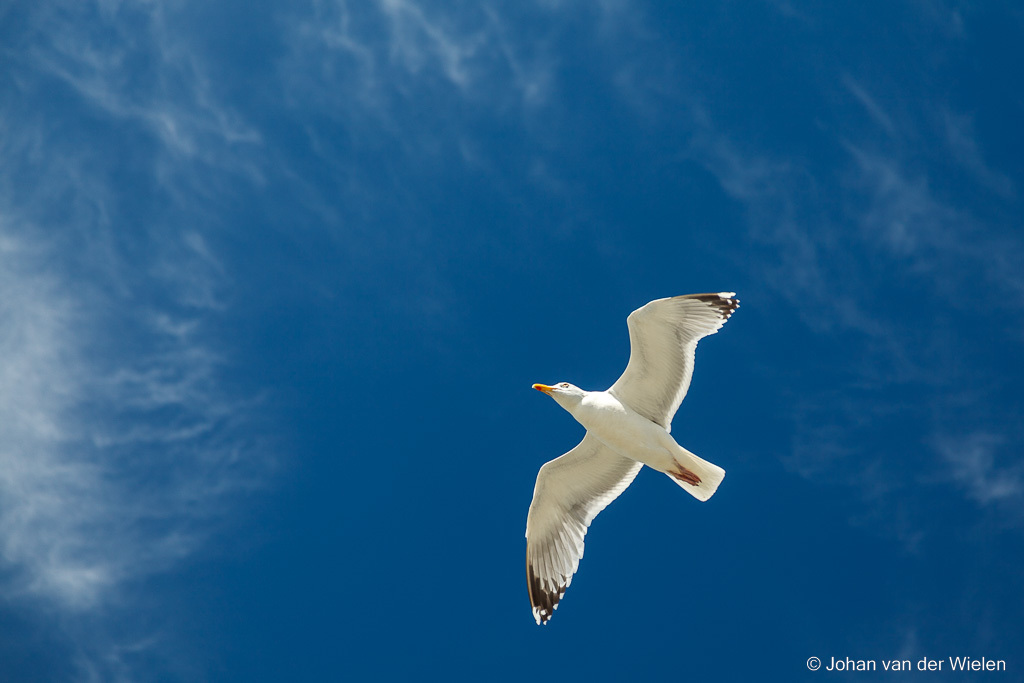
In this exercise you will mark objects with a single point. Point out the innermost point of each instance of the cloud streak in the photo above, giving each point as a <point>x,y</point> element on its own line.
<point>973,467</point>
<point>113,462</point>
<point>874,110</point>
<point>123,447</point>
<point>381,54</point>
<point>126,61</point>
<point>881,201</point>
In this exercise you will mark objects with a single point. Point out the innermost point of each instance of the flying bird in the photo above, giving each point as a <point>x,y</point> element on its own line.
<point>627,427</point>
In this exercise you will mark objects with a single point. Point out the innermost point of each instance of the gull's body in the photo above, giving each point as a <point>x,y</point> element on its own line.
<point>628,433</point>
<point>627,427</point>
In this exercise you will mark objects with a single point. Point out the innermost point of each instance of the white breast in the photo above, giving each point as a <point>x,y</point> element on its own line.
<point>624,430</point>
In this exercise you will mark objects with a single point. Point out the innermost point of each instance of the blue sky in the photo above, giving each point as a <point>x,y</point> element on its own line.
<point>277,278</point>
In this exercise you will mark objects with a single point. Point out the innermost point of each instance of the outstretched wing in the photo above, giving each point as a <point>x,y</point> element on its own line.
<point>663,336</point>
<point>570,491</point>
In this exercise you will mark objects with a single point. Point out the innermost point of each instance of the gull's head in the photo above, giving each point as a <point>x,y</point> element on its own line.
<point>567,395</point>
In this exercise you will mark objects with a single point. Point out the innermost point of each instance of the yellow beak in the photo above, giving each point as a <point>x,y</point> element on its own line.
<point>543,387</point>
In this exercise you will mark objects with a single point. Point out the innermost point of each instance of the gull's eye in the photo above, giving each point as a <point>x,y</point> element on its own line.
<point>564,385</point>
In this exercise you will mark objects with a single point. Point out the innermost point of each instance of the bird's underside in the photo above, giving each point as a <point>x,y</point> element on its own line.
<point>627,426</point>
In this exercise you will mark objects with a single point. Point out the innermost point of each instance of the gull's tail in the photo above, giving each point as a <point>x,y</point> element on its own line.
<point>697,476</point>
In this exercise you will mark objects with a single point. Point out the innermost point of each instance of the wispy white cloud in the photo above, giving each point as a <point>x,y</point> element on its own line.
<point>902,215</point>
<point>840,247</point>
<point>113,456</point>
<point>787,216</point>
<point>418,39</point>
<point>121,452</point>
<point>961,140</point>
<point>947,245</point>
<point>835,444</point>
<point>946,15</point>
<point>124,60</point>
<point>417,84</point>
<point>122,449</point>
<point>413,85</point>
<point>874,110</point>
<point>973,467</point>
<point>382,53</point>
<point>45,514</point>
<point>788,9</point>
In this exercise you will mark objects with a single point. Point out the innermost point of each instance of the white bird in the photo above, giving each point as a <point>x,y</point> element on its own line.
<point>627,427</point>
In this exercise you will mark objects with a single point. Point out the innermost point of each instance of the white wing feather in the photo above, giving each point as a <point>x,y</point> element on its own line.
<point>571,490</point>
<point>663,336</point>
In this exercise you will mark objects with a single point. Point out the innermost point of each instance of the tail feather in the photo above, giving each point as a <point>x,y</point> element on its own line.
<point>696,476</point>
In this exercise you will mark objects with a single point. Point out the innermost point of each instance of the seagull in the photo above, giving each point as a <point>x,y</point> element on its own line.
<point>628,426</point>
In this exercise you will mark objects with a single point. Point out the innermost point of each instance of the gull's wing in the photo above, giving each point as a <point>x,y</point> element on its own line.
<point>570,491</point>
<point>662,338</point>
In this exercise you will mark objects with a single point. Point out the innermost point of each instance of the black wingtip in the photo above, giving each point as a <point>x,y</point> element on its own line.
<point>543,602</point>
<point>725,302</point>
